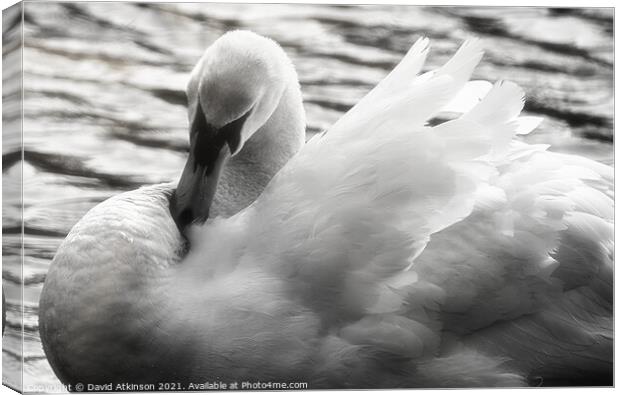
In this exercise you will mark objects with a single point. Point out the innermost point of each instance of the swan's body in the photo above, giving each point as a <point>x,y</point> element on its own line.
<point>386,253</point>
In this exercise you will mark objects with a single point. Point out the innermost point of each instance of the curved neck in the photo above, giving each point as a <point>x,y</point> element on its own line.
<point>247,174</point>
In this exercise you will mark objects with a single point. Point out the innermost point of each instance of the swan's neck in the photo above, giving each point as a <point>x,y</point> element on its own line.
<point>247,174</point>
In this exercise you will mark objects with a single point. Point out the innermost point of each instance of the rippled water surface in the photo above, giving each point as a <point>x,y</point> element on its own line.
<point>104,107</point>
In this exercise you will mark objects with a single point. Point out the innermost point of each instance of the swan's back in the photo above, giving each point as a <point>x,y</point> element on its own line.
<point>101,306</point>
<point>453,251</point>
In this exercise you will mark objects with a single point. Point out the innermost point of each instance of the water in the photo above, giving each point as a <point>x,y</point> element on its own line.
<point>104,108</point>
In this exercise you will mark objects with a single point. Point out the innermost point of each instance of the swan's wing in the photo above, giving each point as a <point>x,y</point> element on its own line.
<point>361,203</point>
<point>528,275</point>
<point>395,234</point>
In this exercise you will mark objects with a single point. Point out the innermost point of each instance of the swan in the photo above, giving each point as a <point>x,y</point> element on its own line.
<point>383,253</point>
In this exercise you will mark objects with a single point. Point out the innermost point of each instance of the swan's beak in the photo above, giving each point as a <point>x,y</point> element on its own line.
<point>210,148</point>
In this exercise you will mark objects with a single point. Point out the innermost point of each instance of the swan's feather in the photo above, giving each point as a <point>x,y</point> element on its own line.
<point>406,70</point>
<point>472,93</point>
<point>409,99</point>
<point>527,124</point>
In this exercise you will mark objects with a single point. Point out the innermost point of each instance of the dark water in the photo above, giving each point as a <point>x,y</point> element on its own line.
<point>104,107</point>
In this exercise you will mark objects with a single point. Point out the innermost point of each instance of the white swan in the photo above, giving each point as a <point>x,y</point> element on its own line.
<point>386,253</point>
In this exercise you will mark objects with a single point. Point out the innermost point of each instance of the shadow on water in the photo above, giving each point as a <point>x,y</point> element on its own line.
<point>74,166</point>
<point>171,96</point>
<point>599,124</point>
<point>495,27</point>
<point>601,18</point>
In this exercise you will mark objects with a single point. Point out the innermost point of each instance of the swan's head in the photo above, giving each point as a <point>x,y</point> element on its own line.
<point>232,92</point>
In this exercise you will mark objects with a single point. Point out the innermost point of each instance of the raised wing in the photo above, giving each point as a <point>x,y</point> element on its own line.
<point>415,241</point>
<point>357,206</point>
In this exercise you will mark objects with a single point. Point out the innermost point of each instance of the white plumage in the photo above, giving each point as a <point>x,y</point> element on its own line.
<point>386,253</point>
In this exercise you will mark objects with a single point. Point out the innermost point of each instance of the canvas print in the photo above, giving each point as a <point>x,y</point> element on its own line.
<point>228,196</point>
